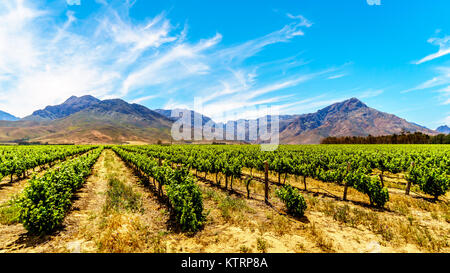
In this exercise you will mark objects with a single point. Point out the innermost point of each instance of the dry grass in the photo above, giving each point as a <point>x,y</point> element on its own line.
<point>9,212</point>
<point>122,227</point>
<point>407,224</point>
<point>232,209</point>
<point>395,230</point>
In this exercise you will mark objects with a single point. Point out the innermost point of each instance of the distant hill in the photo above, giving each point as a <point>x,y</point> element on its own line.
<point>86,119</point>
<point>168,114</point>
<point>70,106</point>
<point>91,121</point>
<point>348,118</point>
<point>443,129</point>
<point>7,116</point>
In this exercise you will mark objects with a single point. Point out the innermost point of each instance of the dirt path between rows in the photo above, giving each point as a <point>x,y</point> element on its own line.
<point>11,189</point>
<point>125,230</point>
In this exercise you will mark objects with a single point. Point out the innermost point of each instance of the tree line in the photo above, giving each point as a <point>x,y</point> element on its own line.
<point>403,138</point>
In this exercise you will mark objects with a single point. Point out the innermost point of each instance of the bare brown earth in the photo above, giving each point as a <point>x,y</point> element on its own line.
<point>237,224</point>
<point>9,189</point>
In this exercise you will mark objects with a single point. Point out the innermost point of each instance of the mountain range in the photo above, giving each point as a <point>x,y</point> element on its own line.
<point>7,116</point>
<point>443,129</point>
<point>86,119</point>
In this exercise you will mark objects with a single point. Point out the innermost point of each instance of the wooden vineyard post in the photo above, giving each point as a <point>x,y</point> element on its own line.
<point>266,182</point>
<point>382,179</point>
<point>408,186</point>
<point>346,185</point>
<point>159,182</point>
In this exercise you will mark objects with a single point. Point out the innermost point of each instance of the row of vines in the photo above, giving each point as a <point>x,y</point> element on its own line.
<point>45,201</point>
<point>362,167</point>
<point>184,195</point>
<point>17,160</point>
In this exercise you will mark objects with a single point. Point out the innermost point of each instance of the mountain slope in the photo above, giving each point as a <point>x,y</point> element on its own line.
<point>86,120</point>
<point>348,118</point>
<point>109,121</point>
<point>168,114</point>
<point>7,116</point>
<point>70,106</point>
<point>443,129</point>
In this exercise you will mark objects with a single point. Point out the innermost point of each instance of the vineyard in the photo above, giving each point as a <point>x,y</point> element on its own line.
<point>232,198</point>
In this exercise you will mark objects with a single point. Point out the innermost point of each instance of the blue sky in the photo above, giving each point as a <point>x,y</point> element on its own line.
<point>297,56</point>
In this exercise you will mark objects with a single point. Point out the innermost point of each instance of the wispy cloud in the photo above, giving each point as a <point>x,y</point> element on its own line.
<point>43,63</point>
<point>303,21</point>
<point>237,98</point>
<point>438,84</point>
<point>180,62</point>
<point>446,120</point>
<point>442,78</point>
<point>44,60</point>
<point>371,93</point>
<point>444,95</point>
<point>336,76</point>
<point>145,98</point>
<point>444,49</point>
<point>309,104</point>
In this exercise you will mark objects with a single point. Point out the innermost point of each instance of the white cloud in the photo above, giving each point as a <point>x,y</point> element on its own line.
<point>444,49</point>
<point>446,121</point>
<point>303,21</point>
<point>245,50</point>
<point>309,105</point>
<point>370,93</point>
<point>442,78</point>
<point>44,61</point>
<point>179,62</point>
<point>242,97</point>
<point>336,76</point>
<point>42,66</point>
<point>145,98</point>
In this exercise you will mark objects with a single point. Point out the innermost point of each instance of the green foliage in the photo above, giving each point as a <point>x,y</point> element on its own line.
<point>433,181</point>
<point>294,201</point>
<point>354,164</point>
<point>184,194</point>
<point>186,199</point>
<point>46,199</point>
<point>368,185</point>
<point>16,160</point>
